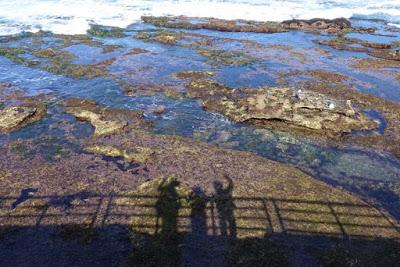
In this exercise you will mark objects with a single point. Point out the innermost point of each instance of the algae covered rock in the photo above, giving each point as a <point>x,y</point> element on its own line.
<point>297,108</point>
<point>386,54</point>
<point>136,154</point>
<point>183,22</point>
<point>205,88</point>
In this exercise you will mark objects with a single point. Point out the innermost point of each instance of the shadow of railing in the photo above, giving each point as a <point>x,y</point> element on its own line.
<point>253,216</point>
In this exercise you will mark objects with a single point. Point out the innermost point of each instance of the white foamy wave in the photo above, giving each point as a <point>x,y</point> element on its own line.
<point>75,16</point>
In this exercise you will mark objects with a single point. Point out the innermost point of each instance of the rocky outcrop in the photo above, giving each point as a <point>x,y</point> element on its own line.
<point>334,26</point>
<point>183,22</point>
<point>105,120</point>
<point>16,117</point>
<point>102,126</point>
<point>318,24</point>
<point>286,107</point>
<point>12,117</point>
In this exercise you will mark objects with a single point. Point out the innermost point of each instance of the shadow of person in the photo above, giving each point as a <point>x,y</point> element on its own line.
<point>198,215</point>
<point>167,209</point>
<point>197,249</point>
<point>225,206</point>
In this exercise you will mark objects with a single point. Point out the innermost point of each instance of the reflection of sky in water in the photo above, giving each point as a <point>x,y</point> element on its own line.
<point>85,54</point>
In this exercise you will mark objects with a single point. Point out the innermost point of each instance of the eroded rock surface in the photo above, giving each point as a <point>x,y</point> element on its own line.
<point>304,109</point>
<point>334,25</point>
<point>12,117</point>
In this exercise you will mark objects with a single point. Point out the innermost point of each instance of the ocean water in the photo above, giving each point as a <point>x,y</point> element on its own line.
<point>75,16</point>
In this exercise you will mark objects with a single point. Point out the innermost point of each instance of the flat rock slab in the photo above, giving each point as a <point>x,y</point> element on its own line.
<point>287,106</point>
<point>13,117</point>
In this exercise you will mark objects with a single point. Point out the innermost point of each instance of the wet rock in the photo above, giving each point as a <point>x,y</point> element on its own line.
<point>289,107</point>
<point>334,26</point>
<point>110,48</point>
<point>14,54</point>
<point>194,74</point>
<point>341,44</point>
<point>386,54</point>
<point>161,36</point>
<point>354,44</point>
<point>183,22</point>
<point>103,31</point>
<point>101,125</point>
<point>204,88</point>
<point>337,86</point>
<point>136,51</point>
<point>219,56</point>
<point>166,38</point>
<point>105,120</point>
<point>12,117</point>
<point>15,117</point>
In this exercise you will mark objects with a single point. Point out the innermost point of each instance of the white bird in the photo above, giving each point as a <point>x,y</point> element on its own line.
<point>300,94</point>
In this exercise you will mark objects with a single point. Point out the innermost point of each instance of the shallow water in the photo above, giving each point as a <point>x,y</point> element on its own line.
<point>372,174</point>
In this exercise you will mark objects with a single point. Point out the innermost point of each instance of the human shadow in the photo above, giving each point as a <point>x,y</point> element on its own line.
<point>167,209</point>
<point>225,207</point>
<point>163,247</point>
<point>199,248</point>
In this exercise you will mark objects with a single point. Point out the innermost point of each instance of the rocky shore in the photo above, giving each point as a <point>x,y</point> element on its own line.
<point>139,146</point>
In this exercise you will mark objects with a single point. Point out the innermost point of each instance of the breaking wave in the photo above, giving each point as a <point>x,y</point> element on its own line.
<point>75,16</point>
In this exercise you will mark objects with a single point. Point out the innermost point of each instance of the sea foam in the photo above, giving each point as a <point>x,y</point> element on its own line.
<point>75,16</point>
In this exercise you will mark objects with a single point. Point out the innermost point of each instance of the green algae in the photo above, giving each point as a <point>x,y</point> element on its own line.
<point>219,56</point>
<point>193,74</point>
<point>164,21</point>
<point>110,48</point>
<point>53,54</point>
<point>59,62</point>
<point>109,32</point>
<point>14,54</point>
<point>76,70</point>
<point>135,154</point>
<point>202,44</point>
<point>142,36</point>
<point>21,149</point>
<point>160,36</point>
<point>187,23</point>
